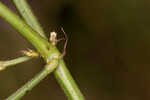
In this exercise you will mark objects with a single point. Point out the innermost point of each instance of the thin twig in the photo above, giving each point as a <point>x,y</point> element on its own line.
<point>27,14</point>
<point>33,82</point>
<point>8,63</point>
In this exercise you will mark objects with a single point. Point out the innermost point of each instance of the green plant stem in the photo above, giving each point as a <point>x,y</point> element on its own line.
<point>35,39</point>
<point>67,83</point>
<point>33,82</point>
<point>62,74</point>
<point>5,64</point>
<point>28,16</point>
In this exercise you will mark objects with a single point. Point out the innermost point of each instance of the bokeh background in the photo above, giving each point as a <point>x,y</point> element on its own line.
<point>108,52</point>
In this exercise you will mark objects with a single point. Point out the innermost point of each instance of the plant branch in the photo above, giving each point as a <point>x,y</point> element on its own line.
<point>62,74</point>
<point>67,83</point>
<point>5,64</point>
<point>33,82</point>
<point>35,39</point>
<point>25,11</point>
<point>46,50</point>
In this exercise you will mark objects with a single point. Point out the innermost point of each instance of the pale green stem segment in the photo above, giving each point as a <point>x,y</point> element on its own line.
<point>50,67</point>
<point>5,64</point>
<point>67,83</point>
<point>35,39</point>
<point>28,16</point>
<point>62,74</point>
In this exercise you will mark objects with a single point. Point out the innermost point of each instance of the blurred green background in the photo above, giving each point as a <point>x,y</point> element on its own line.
<point>108,52</point>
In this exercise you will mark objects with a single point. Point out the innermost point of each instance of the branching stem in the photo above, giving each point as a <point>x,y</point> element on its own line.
<point>33,82</point>
<point>47,51</point>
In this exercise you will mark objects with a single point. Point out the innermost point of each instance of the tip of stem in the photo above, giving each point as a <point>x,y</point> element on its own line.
<point>2,67</point>
<point>30,53</point>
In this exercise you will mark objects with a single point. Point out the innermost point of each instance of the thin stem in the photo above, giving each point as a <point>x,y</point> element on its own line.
<point>5,64</point>
<point>46,50</point>
<point>67,83</point>
<point>33,82</point>
<point>35,39</point>
<point>25,11</point>
<point>62,74</point>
